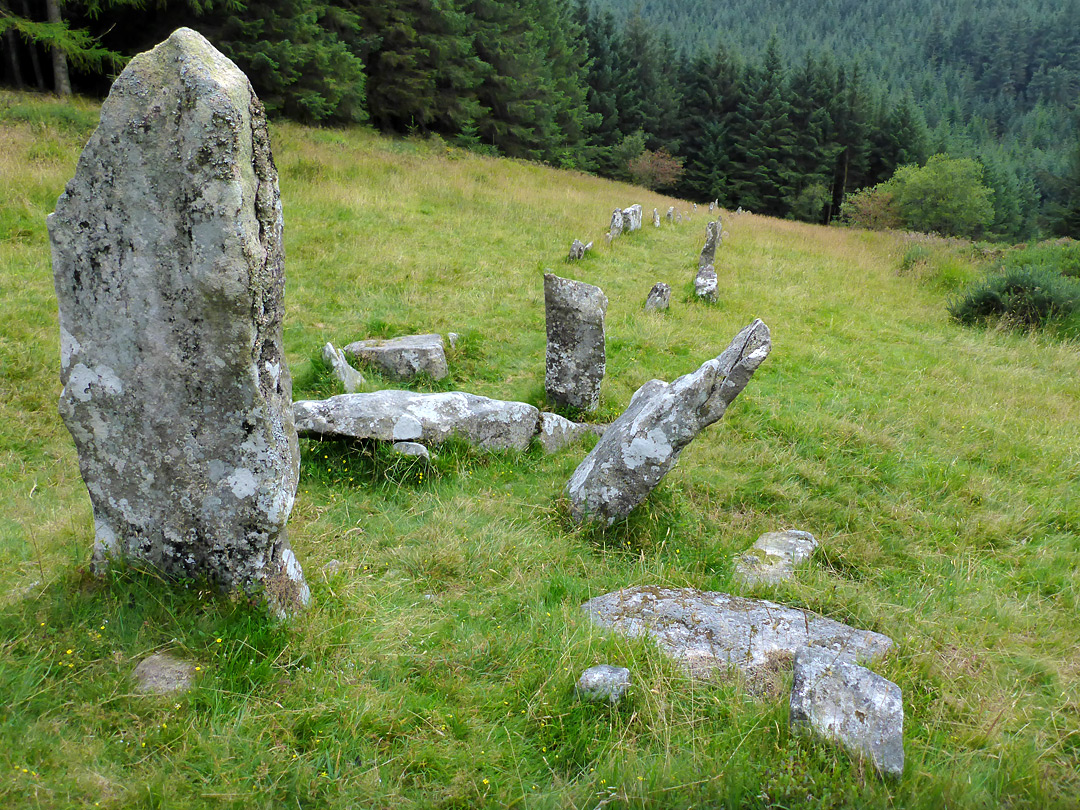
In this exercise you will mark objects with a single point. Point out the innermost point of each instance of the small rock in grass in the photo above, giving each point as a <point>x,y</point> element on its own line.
<point>603,683</point>
<point>452,338</point>
<point>332,567</point>
<point>346,374</point>
<point>774,556</point>
<point>411,449</point>
<point>850,704</point>
<point>163,674</point>
<point>556,432</point>
<point>659,297</point>
<point>404,358</point>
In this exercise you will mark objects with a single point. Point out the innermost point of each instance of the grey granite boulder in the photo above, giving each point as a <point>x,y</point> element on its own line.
<point>705,284</point>
<point>578,249</point>
<point>403,358</point>
<point>556,432</point>
<point>405,416</point>
<point>849,704</point>
<point>639,447</point>
<point>707,631</point>
<point>708,253</point>
<point>632,218</point>
<point>774,556</point>
<point>169,272</point>
<point>659,297</point>
<point>349,377</point>
<point>576,354</point>
<point>603,684</point>
<point>617,223</point>
<point>163,674</point>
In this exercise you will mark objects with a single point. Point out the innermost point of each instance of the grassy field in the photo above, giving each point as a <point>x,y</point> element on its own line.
<point>938,466</point>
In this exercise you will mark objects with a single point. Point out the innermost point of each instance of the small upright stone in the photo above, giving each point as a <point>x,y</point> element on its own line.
<point>403,358</point>
<point>349,377</point>
<point>632,218</point>
<point>603,684</point>
<point>576,358</point>
<point>578,249</point>
<point>705,284</point>
<point>659,297</point>
<point>617,223</point>
<point>655,218</point>
<point>169,272</point>
<point>708,253</point>
<point>712,206</point>
<point>671,214</point>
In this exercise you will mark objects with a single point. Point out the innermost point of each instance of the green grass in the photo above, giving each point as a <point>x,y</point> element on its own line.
<point>937,465</point>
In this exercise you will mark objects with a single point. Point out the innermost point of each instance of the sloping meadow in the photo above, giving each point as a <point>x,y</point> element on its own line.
<point>937,465</point>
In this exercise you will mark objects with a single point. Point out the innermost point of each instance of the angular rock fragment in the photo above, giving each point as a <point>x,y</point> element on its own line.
<point>706,285</point>
<point>576,358</point>
<point>847,703</point>
<point>774,557</point>
<point>617,223</point>
<point>405,416</point>
<point>403,358</point>
<point>708,253</point>
<point>169,271</point>
<point>349,377</point>
<point>707,631</point>
<point>639,447</point>
<point>578,249</point>
<point>659,297</point>
<point>632,218</point>
<point>603,684</point>
<point>556,432</point>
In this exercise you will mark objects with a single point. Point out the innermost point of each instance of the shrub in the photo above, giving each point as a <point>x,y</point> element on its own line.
<point>873,208</point>
<point>1026,297</point>
<point>655,170</point>
<point>945,196</point>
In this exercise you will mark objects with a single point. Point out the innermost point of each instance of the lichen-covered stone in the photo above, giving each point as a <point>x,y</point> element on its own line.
<point>774,556</point>
<point>169,271</point>
<point>414,449</point>
<point>671,213</point>
<point>403,358</point>
<point>556,432</point>
<point>643,444</point>
<point>576,354</point>
<point>659,297</point>
<point>632,218</point>
<point>603,684</point>
<point>712,236</point>
<point>655,218</point>
<point>617,223</point>
<point>706,286</point>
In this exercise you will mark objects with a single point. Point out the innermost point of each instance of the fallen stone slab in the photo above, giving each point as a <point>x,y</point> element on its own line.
<point>774,556</point>
<point>349,377</point>
<point>708,631</point>
<point>406,416</point>
<point>659,297</point>
<point>706,285</point>
<point>576,356</point>
<point>163,674</point>
<point>556,432</point>
<point>403,358</point>
<point>643,444</point>
<point>603,684</point>
<point>849,704</point>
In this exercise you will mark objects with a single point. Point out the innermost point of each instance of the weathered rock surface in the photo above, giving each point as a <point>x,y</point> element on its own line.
<point>659,297</point>
<point>707,631</point>
<point>349,377</point>
<point>847,703</point>
<point>639,447</point>
<point>617,223</point>
<point>406,416</point>
<point>774,556</point>
<point>708,253</point>
<point>603,684</point>
<point>655,218</point>
<point>163,674</point>
<point>411,449</point>
<point>169,271</point>
<point>706,285</point>
<point>403,358</point>
<point>578,249</point>
<point>632,218</point>
<point>556,432</point>
<point>576,355</point>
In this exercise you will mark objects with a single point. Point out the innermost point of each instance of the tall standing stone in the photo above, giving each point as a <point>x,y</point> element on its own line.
<point>169,270</point>
<point>576,358</point>
<point>655,218</point>
<point>712,236</point>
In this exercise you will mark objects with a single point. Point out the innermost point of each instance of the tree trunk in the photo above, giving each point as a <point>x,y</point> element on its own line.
<point>13,55</point>
<point>35,62</point>
<point>61,79</point>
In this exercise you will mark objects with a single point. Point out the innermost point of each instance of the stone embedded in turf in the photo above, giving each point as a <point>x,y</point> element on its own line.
<point>603,684</point>
<point>403,358</point>
<point>169,272</point>
<point>163,674</point>
<point>850,704</point>
<point>705,284</point>
<point>576,358</point>
<point>774,556</point>
<point>349,377</point>
<point>643,444</point>
<point>659,297</point>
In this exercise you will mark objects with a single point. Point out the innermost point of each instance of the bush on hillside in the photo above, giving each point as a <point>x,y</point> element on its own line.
<point>873,208</point>
<point>1025,297</point>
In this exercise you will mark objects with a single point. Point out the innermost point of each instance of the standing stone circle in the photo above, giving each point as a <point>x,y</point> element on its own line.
<point>169,272</point>
<point>576,358</point>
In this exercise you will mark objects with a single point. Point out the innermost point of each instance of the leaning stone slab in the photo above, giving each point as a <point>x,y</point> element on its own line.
<point>403,358</point>
<point>632,217</point>
<point>350,378</point>
<point>576,355</point>
<point>169,272</point>
<point>578,249</point>
<point>774,556</point>
<point>847,703</point>
<point>639,447</point>
<point>659,297</point>
<point>603,684</point>
<point>556,432</point>
<point>406,416</point>
<point>708,631</point>
<point>163,674</point>
<point>708,253</point>
<point>706,285</point>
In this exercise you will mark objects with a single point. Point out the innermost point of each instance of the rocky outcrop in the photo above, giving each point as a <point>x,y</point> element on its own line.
<point>403,358</point>
<point>576,355</point>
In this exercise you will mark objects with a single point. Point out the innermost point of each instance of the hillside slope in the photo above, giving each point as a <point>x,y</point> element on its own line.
<point>938,467</point>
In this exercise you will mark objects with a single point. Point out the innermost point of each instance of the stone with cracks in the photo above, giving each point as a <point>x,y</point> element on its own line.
<point>774,556</point>
<point>708,631</point>
<point>659,297</point>
<point>603,684</point>
<point>706,284</point>
<point>576,358</point>
<point>406,416</point>
<point>403,358</point>
<point>708,253</point>
<point>655,218</point>
<point>632,218</point>
<point>617,223</point>
<point>556,432</point>
<point>349,377</point>
<point>639,447</point>
<point>849,704</point>
<point>169,271</point>
<point>578,249</point>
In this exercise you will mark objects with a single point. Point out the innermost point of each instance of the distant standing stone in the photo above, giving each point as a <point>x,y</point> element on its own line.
<point>848,703</point>
<point>655,218</point>
<point>163,674</point>
<point>632,218</point>
<point>774,557</point>
<point>576,358</point>
<point>643,444</point>
<point>659,297</point>
<point>403,358</point>
<point>708,253</point>
<point>578,249</point>
<point>617,223</point>
<point>678,217</point>
<point>603,684</point>
<point>712,205</point>
<point>671,214</point>
<point>706,285</point>
<point>349,377</point>
<point>169,271</point>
